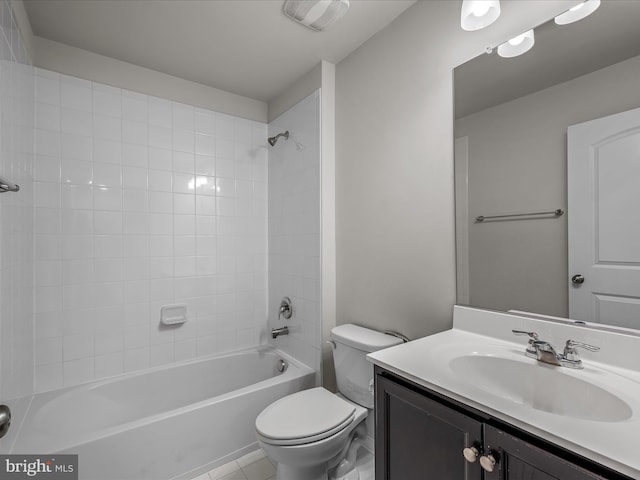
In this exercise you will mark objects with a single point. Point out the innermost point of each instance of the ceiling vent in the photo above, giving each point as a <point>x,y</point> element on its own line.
<point>317,15</point>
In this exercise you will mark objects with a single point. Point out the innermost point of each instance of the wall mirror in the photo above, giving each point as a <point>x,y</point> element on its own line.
<point>548,144</point>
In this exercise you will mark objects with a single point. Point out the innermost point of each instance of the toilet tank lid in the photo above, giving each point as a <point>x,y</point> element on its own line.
<point>362,338</point>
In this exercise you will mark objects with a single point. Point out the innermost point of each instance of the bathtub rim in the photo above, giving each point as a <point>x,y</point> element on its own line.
<point>299,370</point>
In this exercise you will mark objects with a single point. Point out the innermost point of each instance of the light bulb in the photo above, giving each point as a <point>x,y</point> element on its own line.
<point>480,8</point>
<point>578,12</point>
<point>477,14</point>
<point>517,45</point>
<point>517,40</point>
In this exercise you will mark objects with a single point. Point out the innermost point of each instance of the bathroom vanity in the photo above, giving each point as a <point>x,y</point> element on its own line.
<point>469,404</point>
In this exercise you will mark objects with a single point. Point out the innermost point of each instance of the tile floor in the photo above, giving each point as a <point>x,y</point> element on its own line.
<point>255,466</point>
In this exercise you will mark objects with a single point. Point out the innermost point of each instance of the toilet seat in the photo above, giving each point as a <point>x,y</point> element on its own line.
<point>304,417</point>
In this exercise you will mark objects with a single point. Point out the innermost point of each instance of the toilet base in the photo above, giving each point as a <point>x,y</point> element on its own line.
<point>352,475</point>
<point>287,472</point>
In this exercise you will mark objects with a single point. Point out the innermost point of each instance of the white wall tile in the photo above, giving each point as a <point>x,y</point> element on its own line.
<point>134,177</point>
<point>78,371</point>
<point>160,202</point>
<point>48,90</point>
<point>294,226</point>
<point>48,117</point>
<point>48,377</point>
<point>184,225</point>
<point>160,158</point>
<point>76,146</point>
<point>109,128</point>
<point>107,198</point>
<point>205,164</point>
<point>47,169</point>
<point>109,365</point>
<point>107,151</point>
<point>184,161</point>
<point>160,180</point>
<point>160,137</point>
<point>107,103</point>
<point>160,113</point>
<point>125,225</point>
<point>134,200</point>
<point>75,121</point>
<point>183,117</point>
<point>134,107</point>
<point>107,246</point>
<point>78,172</point>
<point>135,155</point>
<point>47,143</point>
<point>73,95</point>
<point>107,175</point>
<point>107,223</point>
<point>134,132</point>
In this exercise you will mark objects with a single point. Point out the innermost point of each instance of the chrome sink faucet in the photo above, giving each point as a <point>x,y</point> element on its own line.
<point>543,351</point>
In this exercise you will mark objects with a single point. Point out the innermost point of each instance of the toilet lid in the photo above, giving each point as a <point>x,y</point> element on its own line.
<point>304,417</point>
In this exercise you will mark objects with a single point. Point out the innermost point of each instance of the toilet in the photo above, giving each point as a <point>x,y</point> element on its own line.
<point>315,434</point>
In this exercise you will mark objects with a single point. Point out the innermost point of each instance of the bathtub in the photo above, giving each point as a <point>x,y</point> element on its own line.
<point>165,423</point>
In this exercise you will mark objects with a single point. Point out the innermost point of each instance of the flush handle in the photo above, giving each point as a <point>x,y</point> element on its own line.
<point>5,420</point>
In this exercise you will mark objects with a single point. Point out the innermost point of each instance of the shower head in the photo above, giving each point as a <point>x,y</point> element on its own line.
<point>273,140</point>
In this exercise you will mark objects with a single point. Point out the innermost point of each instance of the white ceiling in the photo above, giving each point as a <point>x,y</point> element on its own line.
<point>247,47</point>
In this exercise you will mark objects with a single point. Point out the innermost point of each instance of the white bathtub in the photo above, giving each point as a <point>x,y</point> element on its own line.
<point>163,423</point>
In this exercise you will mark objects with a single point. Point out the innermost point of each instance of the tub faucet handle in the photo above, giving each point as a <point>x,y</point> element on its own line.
<point>286,308</point>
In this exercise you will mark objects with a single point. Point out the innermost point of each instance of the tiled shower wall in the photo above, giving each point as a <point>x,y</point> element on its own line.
<point>294,229</point>
<point>16,217</point>
<point>142,202</point>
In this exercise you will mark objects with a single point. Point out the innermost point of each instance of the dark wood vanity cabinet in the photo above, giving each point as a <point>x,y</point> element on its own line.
<point>420,435</point>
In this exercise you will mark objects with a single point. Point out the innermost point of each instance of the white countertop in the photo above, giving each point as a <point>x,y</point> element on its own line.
<point>427,362</point>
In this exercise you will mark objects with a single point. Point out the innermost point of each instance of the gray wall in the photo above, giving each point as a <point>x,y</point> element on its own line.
<point>517,163</point>
<point>77,62</point>
<point>394,164</point>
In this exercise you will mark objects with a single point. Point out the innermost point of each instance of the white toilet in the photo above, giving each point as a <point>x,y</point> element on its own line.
<point>308,433</point>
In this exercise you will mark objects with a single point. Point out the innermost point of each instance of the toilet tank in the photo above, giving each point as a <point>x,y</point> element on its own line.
<point>354,373</point>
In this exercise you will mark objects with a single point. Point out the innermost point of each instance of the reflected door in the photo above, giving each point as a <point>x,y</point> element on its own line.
<point>604,220</point>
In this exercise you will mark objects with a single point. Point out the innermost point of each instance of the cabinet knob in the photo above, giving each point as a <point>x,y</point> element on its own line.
<point>471,454</point>
<point>488,462</point>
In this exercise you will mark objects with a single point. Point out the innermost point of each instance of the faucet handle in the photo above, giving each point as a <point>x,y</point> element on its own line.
<point>570,356</point>
<point>532,335</point>
<point>570,349</point>
<point>586,346</point>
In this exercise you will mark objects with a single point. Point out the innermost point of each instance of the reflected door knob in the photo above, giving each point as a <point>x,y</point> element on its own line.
<point>488,462</point>
<point>470,454</point>
<point>577,279</point>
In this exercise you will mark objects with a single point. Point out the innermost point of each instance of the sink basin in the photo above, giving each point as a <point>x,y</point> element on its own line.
<point>540,386</point>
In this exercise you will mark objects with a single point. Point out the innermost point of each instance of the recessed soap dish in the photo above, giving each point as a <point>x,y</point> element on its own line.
<point>173,314</point>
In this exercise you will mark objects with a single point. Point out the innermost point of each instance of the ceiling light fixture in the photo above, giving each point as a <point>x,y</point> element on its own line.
<point>317,15</point>
<point>517,45</point>
<point>578,12</point>
<point>477,14</point>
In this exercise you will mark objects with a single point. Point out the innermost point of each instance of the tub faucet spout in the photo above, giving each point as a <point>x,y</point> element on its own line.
<point>276,332</point>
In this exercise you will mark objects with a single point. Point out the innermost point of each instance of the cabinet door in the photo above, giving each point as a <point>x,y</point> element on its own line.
<point>420,439</point>
<point>519,460</point>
